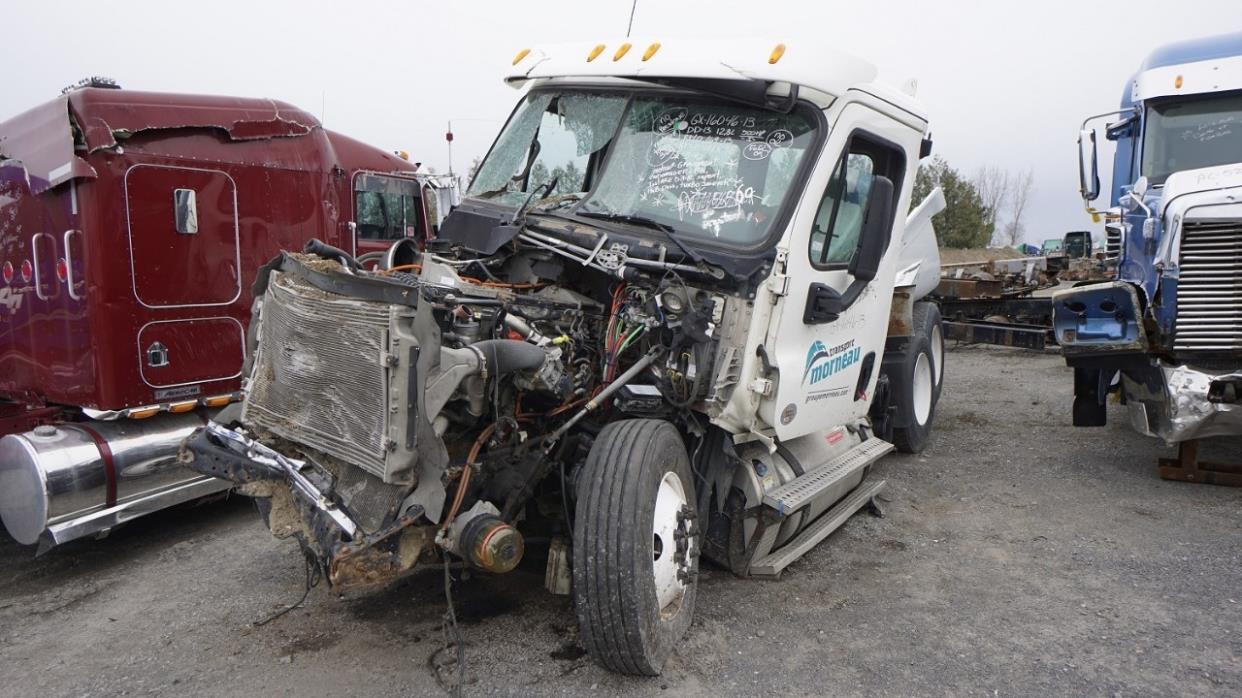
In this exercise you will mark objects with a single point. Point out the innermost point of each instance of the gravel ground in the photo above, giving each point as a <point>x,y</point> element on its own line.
<point>1017,556</point>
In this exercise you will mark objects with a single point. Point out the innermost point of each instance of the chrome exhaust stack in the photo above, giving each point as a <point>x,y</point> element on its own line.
<point>65,481</point>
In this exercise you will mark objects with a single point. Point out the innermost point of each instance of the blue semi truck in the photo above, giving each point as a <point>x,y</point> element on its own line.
<point>1167,332</point>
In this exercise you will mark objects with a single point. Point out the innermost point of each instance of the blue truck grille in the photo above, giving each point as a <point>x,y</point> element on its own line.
<point>1112,241</point>
<point>1209,291</point>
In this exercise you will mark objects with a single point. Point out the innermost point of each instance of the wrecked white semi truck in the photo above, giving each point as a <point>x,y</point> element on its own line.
<point>676,315</point>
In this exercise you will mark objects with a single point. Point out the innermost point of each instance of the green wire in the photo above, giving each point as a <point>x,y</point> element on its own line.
<point>637,331</point>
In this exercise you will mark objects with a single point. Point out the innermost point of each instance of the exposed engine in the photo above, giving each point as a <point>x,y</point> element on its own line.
<point>445,400</point>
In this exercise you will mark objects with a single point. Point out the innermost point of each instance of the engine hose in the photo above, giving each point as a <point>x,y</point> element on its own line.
<point>504,356</point>
<point>376,257</point>
<point>464,482</point>
<point>316,246</point>
<point>517,497</point>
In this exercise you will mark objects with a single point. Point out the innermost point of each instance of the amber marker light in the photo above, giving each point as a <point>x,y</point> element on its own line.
<point>651,51</point>
<point>625,48</point>
<point>776,54</point>
<point>520,55</point>
<point>599,48</point>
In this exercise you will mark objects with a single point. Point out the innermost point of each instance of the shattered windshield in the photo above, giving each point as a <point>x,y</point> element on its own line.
<point>702,167</point>
<point>1189,135</point>
<point>549,137</point>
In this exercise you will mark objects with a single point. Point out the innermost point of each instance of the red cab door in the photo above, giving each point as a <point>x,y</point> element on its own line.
<point>183,238</point>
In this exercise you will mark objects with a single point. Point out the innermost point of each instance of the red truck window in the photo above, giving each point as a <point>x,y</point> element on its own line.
<point>386,208</point>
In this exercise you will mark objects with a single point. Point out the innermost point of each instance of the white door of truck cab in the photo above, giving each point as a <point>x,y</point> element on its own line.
<point>827,365</point>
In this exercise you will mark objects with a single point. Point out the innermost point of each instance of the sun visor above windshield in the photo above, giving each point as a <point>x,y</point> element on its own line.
<point>817,67</point>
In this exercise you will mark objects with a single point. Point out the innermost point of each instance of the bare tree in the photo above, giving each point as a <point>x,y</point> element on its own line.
<point>1019,197</point>
<point>992,183</point>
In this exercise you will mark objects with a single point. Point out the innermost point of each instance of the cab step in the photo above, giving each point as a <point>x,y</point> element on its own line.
<point>804,489</point>
<point>773,564</point>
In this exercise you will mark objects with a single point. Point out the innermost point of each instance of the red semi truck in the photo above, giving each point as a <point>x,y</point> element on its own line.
<point>131,226</point>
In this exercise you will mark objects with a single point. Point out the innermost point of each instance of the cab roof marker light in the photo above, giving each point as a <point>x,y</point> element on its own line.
<point>776,54</point>
<point>143,412</point>
<point>1177,82</point>
<point>651,51</point>
<point>179,407</point>
<point>624,49</point>
<point>217,401</point>
<point>599,48</point>
<point>520,55</point>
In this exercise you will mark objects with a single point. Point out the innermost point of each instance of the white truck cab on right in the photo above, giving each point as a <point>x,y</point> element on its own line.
<point>677,313</point>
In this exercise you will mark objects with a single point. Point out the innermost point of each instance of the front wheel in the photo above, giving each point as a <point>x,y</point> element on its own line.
<point>635,551</point>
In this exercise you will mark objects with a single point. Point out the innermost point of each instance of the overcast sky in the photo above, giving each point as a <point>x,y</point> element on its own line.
<point>1006,83</point>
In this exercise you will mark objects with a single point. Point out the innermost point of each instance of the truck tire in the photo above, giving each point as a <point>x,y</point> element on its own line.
<point>927,321</point>
<point>635,549</point>
<point>913,385</point>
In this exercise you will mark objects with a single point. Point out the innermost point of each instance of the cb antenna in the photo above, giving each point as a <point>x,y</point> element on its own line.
<point>633,6</point>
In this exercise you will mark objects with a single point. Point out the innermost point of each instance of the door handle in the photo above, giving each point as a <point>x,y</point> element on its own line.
<point>69,265</point>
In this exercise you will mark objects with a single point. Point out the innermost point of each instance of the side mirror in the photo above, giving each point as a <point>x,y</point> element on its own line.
<point>877,229</point>
<point>1088,167</point>
<point>823,304</point>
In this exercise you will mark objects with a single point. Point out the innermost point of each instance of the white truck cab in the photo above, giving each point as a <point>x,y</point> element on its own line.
<point>676,314</point>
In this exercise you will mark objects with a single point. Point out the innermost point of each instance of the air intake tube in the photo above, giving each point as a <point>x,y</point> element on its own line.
<point>473,363</point>
<point>316,246</point>
<point>504,356</point>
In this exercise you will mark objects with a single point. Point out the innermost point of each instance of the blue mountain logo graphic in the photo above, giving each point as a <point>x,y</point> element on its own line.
<point>815,353</point>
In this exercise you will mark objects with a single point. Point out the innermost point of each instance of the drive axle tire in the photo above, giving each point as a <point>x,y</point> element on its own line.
<point>635,549</point>
<point>927,322</point>
<point>916,399</point>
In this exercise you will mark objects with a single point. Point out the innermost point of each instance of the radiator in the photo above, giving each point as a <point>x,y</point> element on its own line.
<point>320,377</point>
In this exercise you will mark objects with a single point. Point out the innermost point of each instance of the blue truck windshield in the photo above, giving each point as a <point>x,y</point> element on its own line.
<point>706,168</point>
<point>1189,135</point>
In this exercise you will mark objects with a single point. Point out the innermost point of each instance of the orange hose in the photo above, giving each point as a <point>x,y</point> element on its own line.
<point>403,267</point>
<point>566,407</point>
<point>460,496</point>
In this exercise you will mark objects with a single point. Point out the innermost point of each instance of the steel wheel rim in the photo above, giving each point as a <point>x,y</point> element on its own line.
<point>922,388</point>
<point>670,568</point>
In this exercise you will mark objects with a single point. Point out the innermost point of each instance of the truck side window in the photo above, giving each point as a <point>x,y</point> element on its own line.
<point>386,208</point>
<point>839,219</point>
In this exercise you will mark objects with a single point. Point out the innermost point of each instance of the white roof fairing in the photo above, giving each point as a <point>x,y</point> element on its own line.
<point>811,66</point>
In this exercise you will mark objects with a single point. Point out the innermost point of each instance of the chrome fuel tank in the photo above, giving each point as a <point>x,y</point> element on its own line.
<point>60,482</point>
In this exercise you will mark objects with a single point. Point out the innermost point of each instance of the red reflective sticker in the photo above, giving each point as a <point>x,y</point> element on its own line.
<point>8,272</point>
<point>27,271</point>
